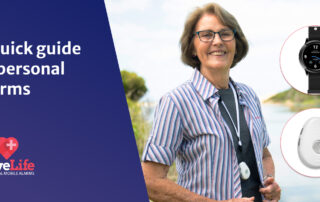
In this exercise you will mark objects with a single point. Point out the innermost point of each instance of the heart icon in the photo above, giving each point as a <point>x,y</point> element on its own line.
<point>8,146</point>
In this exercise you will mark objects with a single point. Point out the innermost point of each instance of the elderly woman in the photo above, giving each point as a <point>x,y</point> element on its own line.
<point>211,125</point>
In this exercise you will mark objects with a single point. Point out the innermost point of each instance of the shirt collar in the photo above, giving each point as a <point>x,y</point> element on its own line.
<point>202,85</point>
<point>207,90</point>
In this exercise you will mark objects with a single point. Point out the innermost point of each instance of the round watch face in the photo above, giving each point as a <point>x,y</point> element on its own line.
<point>310,56</point>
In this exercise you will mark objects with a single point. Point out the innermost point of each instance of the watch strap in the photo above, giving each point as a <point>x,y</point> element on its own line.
<point>314,83</point>
<point>314,33</point>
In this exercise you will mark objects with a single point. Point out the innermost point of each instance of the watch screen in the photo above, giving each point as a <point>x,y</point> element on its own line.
<point>311,56</point>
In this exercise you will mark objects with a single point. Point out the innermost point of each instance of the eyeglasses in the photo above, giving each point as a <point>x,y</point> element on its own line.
<point>208,35</point>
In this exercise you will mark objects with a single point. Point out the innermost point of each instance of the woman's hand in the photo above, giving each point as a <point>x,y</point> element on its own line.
<point>271,191</point>
<point>241,199</point>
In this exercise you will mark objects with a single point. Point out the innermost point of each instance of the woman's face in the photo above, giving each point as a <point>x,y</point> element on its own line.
<point>216,54</point>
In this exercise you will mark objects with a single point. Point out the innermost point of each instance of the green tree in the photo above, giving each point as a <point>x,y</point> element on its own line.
<point>134,88</point>
<point>134,85</point>
<point>141,127</point>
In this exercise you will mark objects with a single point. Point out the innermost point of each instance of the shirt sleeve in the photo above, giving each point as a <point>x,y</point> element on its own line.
<point>265,135</point>
<point>166,134</point>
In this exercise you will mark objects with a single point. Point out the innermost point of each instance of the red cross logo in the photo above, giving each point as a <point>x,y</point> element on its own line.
<point>8,146</point>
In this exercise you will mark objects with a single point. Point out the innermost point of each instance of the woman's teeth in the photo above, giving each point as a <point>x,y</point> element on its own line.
<point>218,53</point>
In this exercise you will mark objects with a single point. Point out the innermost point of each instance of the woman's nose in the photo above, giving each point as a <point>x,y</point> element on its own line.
<point>217,40</point>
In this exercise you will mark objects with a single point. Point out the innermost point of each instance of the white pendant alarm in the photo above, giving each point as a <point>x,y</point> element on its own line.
<point>244,171</point>
<point>309,143</point>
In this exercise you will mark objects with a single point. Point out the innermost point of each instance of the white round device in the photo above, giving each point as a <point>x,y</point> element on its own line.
<point>244,171</point>
<point>309,143</point>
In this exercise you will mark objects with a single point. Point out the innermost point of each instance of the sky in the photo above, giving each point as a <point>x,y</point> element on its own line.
<point>146,35</point>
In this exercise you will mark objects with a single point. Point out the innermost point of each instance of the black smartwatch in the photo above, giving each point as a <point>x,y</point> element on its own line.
<point>309,57</point>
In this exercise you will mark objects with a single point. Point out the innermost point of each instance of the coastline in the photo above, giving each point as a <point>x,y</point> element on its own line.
<point>295,101</point>
<point>287,103</point>
<point>292,106</point>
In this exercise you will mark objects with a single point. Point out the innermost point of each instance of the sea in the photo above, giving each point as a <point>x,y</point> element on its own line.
<point>295,187</point>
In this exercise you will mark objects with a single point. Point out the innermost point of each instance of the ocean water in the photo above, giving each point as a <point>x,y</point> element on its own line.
<point>295,187</point>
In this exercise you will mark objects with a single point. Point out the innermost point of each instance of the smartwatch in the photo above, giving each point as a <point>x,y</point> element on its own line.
<point>309,57</point>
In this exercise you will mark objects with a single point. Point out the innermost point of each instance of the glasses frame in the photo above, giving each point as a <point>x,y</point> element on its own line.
<point>214,35</point>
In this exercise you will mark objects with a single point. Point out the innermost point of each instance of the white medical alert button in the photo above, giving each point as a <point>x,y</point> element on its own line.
<point>316,146</point>
<point>244,171</point>
<point>309,143</point>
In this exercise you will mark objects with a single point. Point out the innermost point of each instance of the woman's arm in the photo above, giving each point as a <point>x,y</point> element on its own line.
<point>268,165</point>
<point>160,188</point>
<point>271,190</point>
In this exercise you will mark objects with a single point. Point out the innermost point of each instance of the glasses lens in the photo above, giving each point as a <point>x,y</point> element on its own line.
<point>206,36</point>
<point>226,35</point>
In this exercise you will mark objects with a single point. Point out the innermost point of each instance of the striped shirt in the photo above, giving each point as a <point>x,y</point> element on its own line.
<point>189,128</point>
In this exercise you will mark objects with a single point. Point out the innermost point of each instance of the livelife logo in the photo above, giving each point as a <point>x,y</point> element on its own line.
<point>8,146</point>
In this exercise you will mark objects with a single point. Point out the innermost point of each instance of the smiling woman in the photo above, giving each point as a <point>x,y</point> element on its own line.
<point>225,19</point>
<point>211,125</point>
<point>214,53</point>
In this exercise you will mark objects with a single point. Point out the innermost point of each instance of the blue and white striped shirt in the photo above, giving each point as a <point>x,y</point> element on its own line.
<point>189,128</point>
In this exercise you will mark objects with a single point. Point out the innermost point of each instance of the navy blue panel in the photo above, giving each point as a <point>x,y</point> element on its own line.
<point>75,128</point>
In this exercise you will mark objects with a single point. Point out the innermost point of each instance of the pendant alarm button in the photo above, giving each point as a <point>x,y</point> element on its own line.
<point>316,146</point>
<point>309,143</point>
